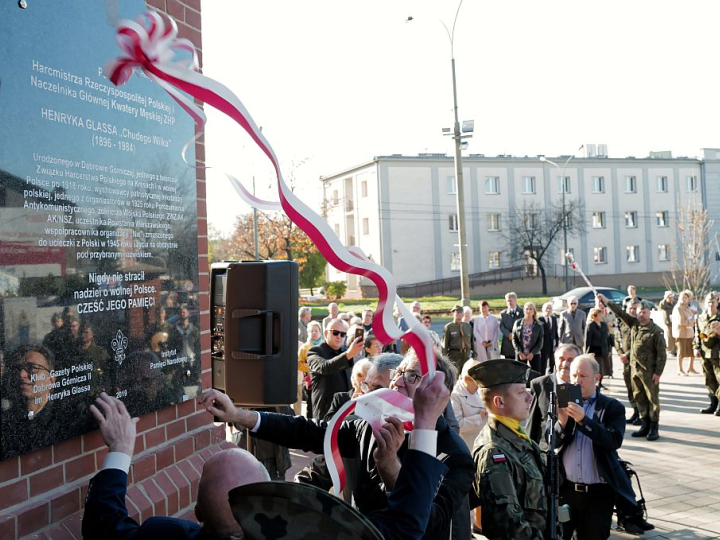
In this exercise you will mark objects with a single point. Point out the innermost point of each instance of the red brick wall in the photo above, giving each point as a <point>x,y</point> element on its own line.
<point>42,493</point>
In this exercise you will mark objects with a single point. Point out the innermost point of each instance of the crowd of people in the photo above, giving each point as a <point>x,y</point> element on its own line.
<point>477,458</point>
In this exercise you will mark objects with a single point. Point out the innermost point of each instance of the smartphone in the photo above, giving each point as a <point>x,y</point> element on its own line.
<point>359,333</point>
<point>567,393</point>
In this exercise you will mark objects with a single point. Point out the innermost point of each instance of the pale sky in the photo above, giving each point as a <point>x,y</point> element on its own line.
<point>335,83</point>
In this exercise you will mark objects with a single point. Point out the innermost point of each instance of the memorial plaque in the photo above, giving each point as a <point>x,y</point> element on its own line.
<point>98,228</point>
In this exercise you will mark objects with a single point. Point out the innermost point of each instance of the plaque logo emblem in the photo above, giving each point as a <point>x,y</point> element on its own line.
<point>119,344</point>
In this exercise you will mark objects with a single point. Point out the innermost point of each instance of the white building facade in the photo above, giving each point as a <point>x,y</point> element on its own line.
<point>401,210</point>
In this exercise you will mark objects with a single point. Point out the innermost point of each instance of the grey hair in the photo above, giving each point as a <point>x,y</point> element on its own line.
<point>384,361</point>
<point>590,359</point>
<point>303,311</point>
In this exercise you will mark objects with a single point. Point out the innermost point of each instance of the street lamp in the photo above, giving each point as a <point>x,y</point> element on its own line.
<point>564,217</point>
<point>457,135</point>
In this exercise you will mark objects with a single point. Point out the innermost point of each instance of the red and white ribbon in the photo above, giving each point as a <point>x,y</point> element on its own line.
<point>576,267</point>
<point>151,45</point>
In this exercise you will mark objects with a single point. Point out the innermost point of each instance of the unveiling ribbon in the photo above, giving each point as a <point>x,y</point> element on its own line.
<point>576,267</point>
<point>151,45</point>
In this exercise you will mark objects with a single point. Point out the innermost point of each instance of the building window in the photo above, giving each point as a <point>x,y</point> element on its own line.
<point>492,185</point>
<point>633,253</point>
<point>598,184</point>
<point>453,222</point>
<point>366,225</point>
<point>363,188</point>
<point>600,255</point>
<point>336,197</point>
<point>563,183</point>
<point>631,220</point>
<point>691,183</point>
<point>662,184</point>
<point>663,218</point>
<point>598,220</point>
<point>563,258</point>
<point>663,252</point>
<point>528,185</point>
<point>630,184</point>
<point>494,259</point>
<point>493,222</point>
<point>451,185</point>
<point>529,221</point>
<point>455,262</point>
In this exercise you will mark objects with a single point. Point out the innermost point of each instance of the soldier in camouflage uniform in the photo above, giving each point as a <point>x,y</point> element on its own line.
<point>707,346</point>
<point>623,347</point>
<point>647,362</point>
<point>509,481</point>
<point>457,340</point>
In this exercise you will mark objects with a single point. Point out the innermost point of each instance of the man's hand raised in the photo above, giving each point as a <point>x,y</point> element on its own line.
<point>116,427</point>
<point>221,406</point>
<point>430,400</point>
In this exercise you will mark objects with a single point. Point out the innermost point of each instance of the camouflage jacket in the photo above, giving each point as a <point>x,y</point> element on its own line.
<point>622,338</point>
<point>709,348</point>
<point>510,484</point>
<point>648,350</point>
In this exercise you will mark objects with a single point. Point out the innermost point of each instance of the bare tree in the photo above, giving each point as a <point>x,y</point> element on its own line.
<point>689,263</point>
<point>533,230</point>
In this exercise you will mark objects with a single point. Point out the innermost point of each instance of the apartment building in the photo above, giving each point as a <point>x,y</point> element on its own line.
<point>401,210</point>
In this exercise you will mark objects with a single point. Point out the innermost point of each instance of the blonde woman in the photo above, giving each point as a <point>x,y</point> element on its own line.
<point>683,329</point>
<point>527,337</point>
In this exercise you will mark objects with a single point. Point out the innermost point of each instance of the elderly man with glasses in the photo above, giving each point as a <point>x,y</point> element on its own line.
<point>572,324</point>
<point>378,471</point>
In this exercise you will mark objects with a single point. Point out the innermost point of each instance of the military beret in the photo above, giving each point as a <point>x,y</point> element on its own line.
<point>456,308</point>
<point>644,305</point>
<point>273,510</point>
<point>501,371</point>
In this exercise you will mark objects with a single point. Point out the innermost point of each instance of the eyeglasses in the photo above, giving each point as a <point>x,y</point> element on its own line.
<point>410,377</point>
<point>338,333</point>
<point>573,303</point>
<point>31,368</point>
<point>366,388</point>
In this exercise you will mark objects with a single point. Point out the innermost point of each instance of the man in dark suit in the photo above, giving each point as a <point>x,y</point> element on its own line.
<point>507,321</point>
<point>376,473</point>
<point>406,514</point>
<point>588,437</point>
<point>540,388</point>
<point>550,338</point>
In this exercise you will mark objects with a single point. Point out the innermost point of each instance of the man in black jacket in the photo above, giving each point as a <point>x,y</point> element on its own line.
<point>376,473</point>
<point>507,321</point>
<point>330,366</point>
<point>550,338</point>
<point>588,437</point>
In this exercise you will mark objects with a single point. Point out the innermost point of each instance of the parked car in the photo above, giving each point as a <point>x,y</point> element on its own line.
<point>586,298</point>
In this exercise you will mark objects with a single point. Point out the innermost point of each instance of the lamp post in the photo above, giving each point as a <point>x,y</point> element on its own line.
<point>459,186</point>
<point>564,217</point>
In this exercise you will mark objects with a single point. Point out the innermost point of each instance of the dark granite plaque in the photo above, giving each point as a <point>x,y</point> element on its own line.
<point>98,228</point>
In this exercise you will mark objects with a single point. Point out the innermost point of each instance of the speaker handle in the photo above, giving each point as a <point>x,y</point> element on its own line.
<point>241,314</point>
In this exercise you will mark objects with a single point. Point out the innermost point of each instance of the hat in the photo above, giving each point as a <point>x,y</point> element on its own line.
<point>284,510</point>
<point>643,304</point>
<point>501,371</point>
<point>456,308</point>
<point>669,293</point>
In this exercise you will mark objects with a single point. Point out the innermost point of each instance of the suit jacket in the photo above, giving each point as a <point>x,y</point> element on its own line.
<point>606,430</point>
<point>536,340</point>
<point>550,335</point>
<point>507,321</point>
<point>330,373</point>
<point>597,339</point>
<point>106,514</point>
<point>572,327</point>
<point>355,440</point>
<point>538,419</point>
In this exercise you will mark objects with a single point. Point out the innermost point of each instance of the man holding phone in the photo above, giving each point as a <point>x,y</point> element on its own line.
<point>588,436</point>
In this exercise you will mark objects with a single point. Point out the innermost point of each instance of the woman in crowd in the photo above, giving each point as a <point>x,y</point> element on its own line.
<point>427,323</point>
<point>314,338</point>
<point>371,346</point>
<point>597,342</point>
<point>467,405</point>
<point>486,330</point>
<point>527,337</point>
<point>683,325</point>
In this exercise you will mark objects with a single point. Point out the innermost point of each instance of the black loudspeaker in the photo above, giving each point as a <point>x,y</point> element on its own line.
<point>254,331</point>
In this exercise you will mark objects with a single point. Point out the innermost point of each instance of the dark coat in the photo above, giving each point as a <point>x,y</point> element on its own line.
<point>507,322</point>
<point>550,333</point>
<point>596,340</point>
<point>355,440</point>
<point>330,374</point>
<point>606,430</point>
<point>538,419</point>
<point>536,341</point>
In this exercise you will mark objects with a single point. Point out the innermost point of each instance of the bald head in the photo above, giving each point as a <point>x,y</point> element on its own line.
<point>222,472</point>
